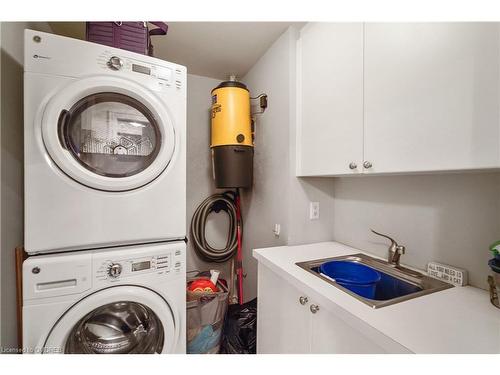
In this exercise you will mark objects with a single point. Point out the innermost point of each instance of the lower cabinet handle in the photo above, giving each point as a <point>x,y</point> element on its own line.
<point>314,309</point>
<point>303,300</point>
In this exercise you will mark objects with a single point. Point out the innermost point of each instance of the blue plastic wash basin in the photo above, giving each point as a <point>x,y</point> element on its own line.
<point>356,277</point>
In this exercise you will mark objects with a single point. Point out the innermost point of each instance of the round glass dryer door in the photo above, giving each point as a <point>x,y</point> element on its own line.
<point>108,133</point>
<point>111,134</point>
<point>118,320</point>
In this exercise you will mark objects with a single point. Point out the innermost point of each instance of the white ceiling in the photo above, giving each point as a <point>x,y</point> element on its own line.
<point>211,49</point>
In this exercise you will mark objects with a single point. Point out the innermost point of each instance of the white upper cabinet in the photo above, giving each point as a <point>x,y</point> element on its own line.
<point>329,99</point>
<point>431,96</point>
<point>397,98</point>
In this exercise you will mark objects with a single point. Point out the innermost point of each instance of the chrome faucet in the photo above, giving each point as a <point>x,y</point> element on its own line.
<point>395,250</point>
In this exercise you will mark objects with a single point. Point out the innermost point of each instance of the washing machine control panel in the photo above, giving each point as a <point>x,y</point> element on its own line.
<point>113,269</point>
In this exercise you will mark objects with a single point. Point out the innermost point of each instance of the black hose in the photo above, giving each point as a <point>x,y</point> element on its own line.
<point>215,203</point>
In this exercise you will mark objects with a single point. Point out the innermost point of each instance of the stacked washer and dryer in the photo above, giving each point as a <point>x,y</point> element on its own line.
<point>105,199</point>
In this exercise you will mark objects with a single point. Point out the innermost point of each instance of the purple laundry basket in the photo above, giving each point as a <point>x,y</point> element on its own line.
<point>131,36</point>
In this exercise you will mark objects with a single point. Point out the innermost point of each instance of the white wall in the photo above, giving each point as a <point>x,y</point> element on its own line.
<point>277,196</point>
<point>302,191</point>
<point>11,130</point>
<point>449,218</point>
<point>200,183</point>
<point>266,203</point>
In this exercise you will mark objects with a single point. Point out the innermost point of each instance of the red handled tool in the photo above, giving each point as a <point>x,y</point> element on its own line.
<point>239,253</point>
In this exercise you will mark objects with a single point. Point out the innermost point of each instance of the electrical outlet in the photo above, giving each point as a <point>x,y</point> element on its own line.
<point>277,230</point>
<point>314,210</point>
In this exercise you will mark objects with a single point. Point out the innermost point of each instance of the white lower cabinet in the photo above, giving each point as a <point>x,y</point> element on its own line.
<point>330,334</point>
<point>283,324</point>
<point>286,323</point>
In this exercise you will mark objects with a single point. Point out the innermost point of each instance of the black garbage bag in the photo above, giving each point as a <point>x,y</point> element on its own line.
<point>240,329</point>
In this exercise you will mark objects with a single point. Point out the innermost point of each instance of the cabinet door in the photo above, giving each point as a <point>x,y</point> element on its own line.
<point>431,96</point>
<point>330,334</point>
<point>330,99</point>
<point>283,324</point>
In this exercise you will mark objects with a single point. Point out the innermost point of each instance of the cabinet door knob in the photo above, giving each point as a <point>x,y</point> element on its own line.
<point>352,165</point>
<point>367,164</point>
<point>314,309</point>
<point>303,300</point>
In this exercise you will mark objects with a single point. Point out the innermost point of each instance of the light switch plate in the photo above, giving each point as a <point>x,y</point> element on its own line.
<point>452,275</point>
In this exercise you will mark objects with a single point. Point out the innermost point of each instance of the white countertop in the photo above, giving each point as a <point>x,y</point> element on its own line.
<point>455,320</point>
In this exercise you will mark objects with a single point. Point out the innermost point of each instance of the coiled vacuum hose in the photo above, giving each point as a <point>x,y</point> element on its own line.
<point>215,203</point>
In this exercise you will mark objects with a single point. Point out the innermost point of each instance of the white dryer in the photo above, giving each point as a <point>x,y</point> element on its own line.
<point>125,300</point>
<point>105,146</point>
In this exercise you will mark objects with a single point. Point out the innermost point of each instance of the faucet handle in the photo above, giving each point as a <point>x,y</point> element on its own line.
<point>393,242</point>
<point>395,250</point>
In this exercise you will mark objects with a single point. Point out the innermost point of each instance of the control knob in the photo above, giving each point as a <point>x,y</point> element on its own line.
<point>114,270</point>
<point>115,63</point>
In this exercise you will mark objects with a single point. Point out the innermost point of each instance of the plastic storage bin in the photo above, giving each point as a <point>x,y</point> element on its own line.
<point>356,277</point>
<point>494,281</point>
<point>205,319</point>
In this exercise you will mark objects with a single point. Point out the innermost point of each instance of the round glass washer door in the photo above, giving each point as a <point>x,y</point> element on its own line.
<point>108,133</point>
<point>117,320</point>
<point>121,327</point>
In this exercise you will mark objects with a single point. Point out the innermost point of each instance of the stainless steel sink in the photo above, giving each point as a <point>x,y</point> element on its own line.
<point>397,283</point>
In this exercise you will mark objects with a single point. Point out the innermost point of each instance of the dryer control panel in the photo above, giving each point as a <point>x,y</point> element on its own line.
<point>166,77</point>
<point>57,55</point>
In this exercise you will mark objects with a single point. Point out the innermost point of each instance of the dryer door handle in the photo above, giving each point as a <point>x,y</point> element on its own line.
<point>63,120</point>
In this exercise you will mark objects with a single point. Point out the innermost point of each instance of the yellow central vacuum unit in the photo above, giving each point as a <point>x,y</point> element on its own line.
<point>232,141</point>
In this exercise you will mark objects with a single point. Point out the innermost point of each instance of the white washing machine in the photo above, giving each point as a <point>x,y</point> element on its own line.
<point>125,300</point>
<point>105,146</point>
